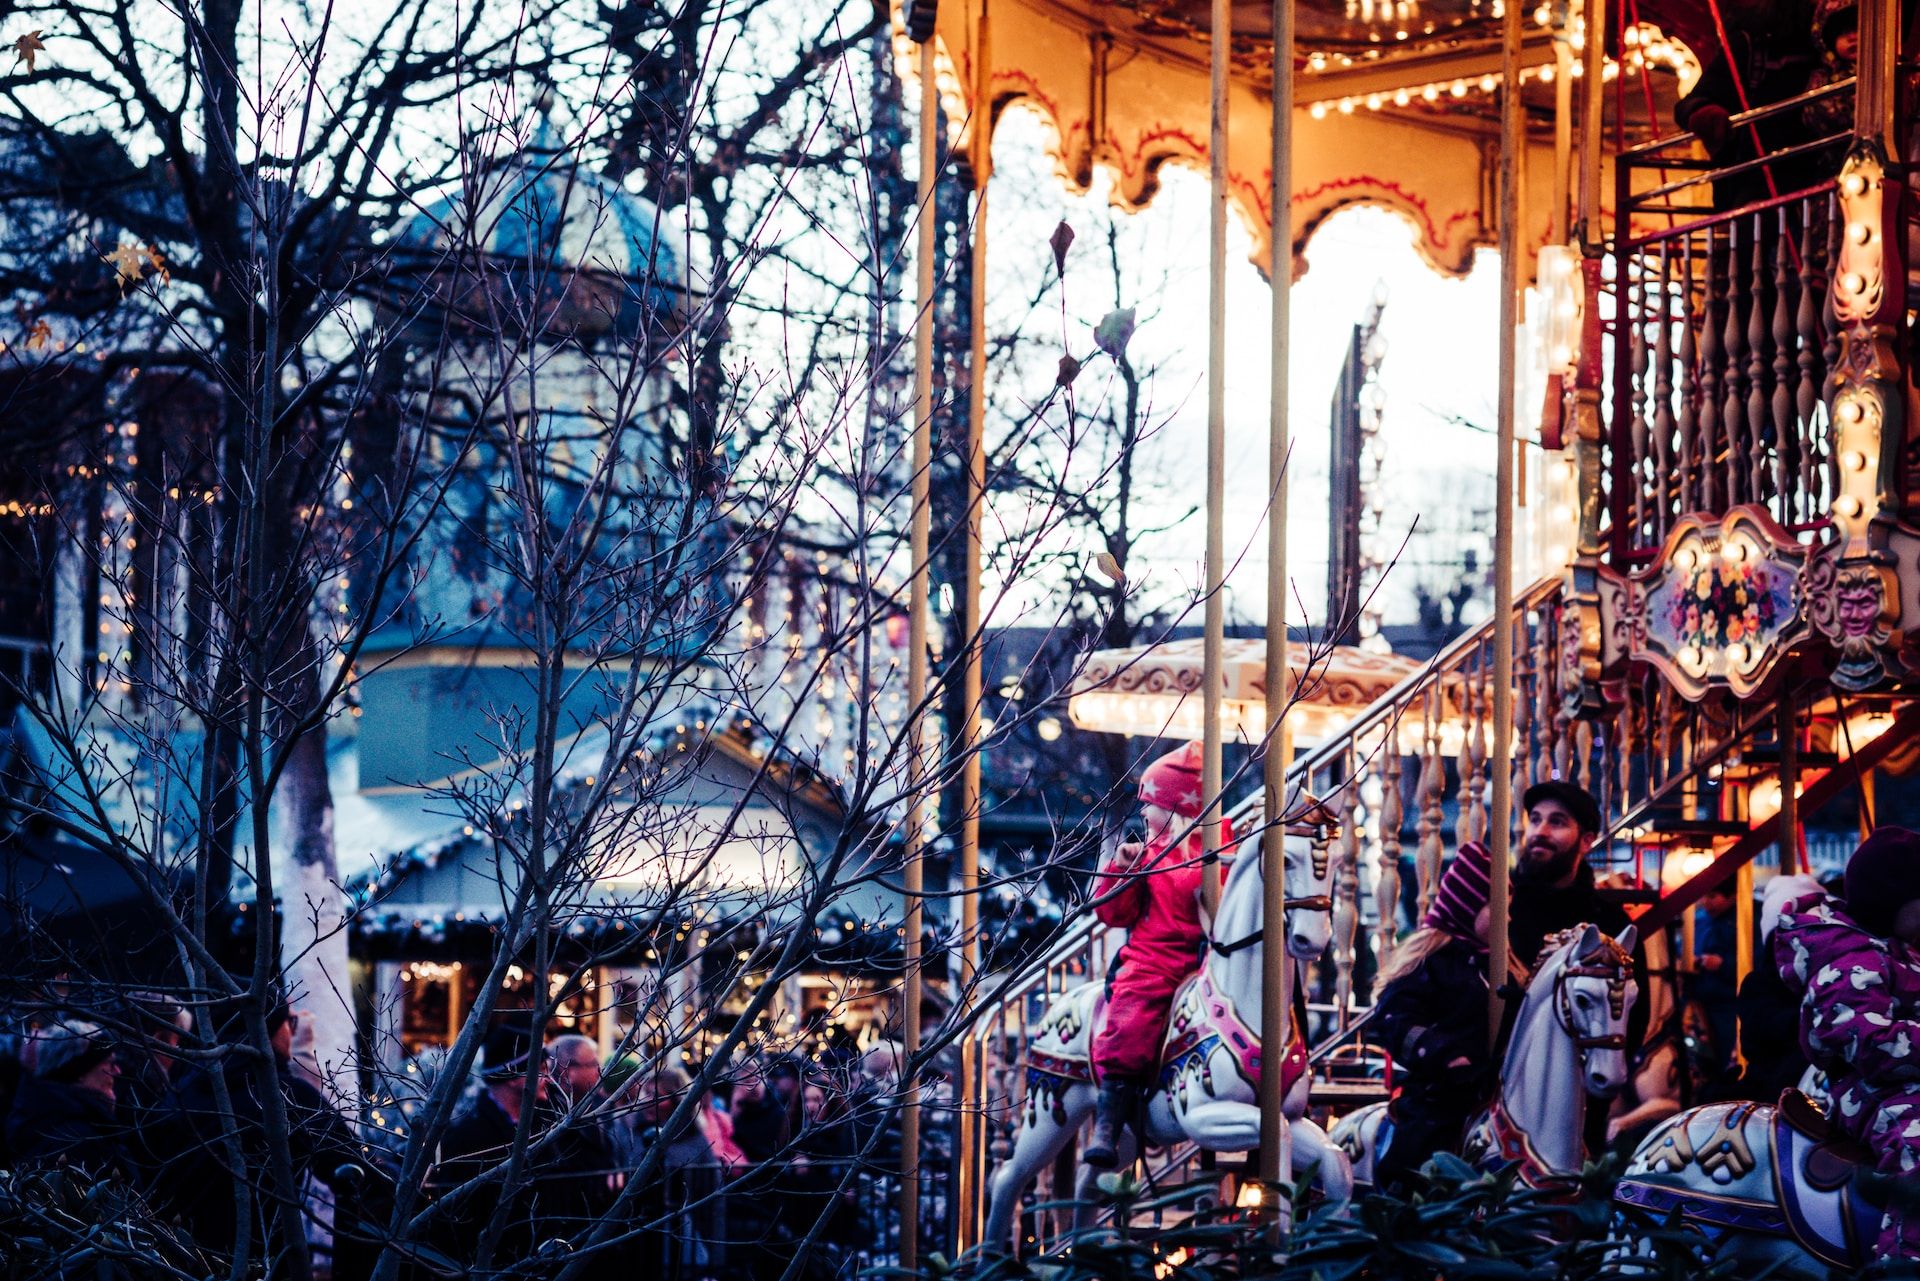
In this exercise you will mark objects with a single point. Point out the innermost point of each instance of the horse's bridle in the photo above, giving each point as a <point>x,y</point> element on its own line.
<point>1321,835</point>
<point>1615,966</point>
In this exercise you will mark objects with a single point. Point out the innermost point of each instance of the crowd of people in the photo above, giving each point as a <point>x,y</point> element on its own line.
<point>787,1167</point>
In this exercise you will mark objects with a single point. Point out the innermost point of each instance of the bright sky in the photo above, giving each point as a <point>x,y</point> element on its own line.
<point>1440,364</point>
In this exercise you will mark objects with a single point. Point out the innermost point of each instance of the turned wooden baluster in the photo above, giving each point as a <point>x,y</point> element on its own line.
<point>1469,822</point>
<point>1807,335</point>
<point>1386,885</point>
<point>1432,797</point>
<point>1663,398</point>
<point>1637,312</point>
<point>1544,702</point>
<point>1583,753</point>
<point>1689,476</point>
<point>1733,406</point>
<point>1786,434</point>
<point>1711,491</point>
<point>1346,890</point>
<point>1759,362</point>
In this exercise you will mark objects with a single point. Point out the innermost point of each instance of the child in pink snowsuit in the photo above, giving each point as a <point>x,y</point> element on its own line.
<point>1151,890</point>
<point>1860,1017</point>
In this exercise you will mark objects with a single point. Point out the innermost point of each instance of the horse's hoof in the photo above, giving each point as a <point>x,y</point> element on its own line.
<point>1100,1157</point>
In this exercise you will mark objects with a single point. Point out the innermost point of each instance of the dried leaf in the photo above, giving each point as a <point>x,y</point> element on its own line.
<point>1109,567</point>
<point>1062,241</point>
<point>159,265</point>
<point>25,47</point>
<point>1114,332</point>
<point>129,263</point>
<point>40,335</point>
<point>1069,370</point>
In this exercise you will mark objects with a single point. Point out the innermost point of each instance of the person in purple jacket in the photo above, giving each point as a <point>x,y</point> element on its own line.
<point>1856,964</point>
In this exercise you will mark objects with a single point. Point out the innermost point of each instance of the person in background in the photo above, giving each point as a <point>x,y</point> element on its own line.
<point>63,1111</point>
<point>760,1128</point>
<point>1767,59</point>
<point>1715,982</point>
<point>1769,1017</point>
<point>1430,1010</point>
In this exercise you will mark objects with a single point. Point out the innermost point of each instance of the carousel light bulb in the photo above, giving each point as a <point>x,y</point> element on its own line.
<point>1859,232</point>
<point>1846,506</point>
<point>1459,89</point>
<point>1431,93</point>
<point>1487,83</point>
<point>1346,106</point>
<point>1854,460</point>
<point>1853,184</point>
<point>1546,75</point>
<point>1375,101</point>
<point>1852,410</point>
<point>1401,97</point>
<point>1318,111</point>
<point>1853,282</point>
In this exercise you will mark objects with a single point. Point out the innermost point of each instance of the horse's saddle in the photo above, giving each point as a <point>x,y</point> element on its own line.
<point>1792,1175</point>
<point>1814,1168</point>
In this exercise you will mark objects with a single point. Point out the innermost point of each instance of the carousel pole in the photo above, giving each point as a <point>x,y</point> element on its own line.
<point>980,149</point>
<point>1277,983</point>
<point>918,539</point>
<point>1512,138</point>
<point>1592,122</point>
<point>1220,43</point>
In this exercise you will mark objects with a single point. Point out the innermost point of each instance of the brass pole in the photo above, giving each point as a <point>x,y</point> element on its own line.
<point>1277,982</point>
<point>1562,127</point>
<point>1220,42</point>
<point>1877,94</point>
<point>1501,816</point>
<point>980,138</point>
<point>918,540</point>
<point>1592,123</point>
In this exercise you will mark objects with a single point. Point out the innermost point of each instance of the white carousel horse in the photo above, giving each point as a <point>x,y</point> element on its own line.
<point>1771,1187</point>
<point>1210,1060</point>
<point>1653,1087</point>
<point>1569,1043</point>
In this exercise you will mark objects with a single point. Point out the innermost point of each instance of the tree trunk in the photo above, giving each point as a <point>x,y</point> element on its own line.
<point>313,936</point>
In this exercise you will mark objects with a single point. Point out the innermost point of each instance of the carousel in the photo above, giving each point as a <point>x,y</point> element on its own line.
<point>1718,656</point>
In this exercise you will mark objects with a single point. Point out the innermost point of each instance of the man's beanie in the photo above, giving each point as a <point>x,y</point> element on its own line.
<point>68,1051</point>
<point>1466,886</point>
<point>1574,798</point>
<point>1882,877</point>
<point>1173,782</point>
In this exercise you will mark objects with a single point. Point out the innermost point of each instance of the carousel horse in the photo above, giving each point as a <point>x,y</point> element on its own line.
<point>1679,1039</point>
<point>1770,1186</point>
<point>1569,1043</point>
<point>1211,1059</point>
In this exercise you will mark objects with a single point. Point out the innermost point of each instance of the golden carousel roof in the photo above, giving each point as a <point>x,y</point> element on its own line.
<point>1394,103</point>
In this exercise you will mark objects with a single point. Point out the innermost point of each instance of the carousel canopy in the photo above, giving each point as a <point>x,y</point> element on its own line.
<point>1394,101</point>
<point>1154,691</point>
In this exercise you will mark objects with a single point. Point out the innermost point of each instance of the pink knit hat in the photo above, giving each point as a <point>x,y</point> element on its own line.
<point>1173,782</point>
<point>1466,884</point>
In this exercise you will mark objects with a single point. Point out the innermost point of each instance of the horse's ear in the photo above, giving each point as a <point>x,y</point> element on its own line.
<point>1628,937</point>
<point>1586,940</point>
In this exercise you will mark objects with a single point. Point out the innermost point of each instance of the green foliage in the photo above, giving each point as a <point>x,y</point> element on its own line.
<point>1464,1225</point>
<point>58,1224</point>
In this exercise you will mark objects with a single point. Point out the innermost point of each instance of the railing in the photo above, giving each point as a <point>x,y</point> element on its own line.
<point>1720,338</point>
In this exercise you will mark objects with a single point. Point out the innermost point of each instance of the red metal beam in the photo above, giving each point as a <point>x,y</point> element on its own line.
<point>1812,797</point>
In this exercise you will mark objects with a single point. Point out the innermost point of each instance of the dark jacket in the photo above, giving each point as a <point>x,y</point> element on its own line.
<point>1541,910</point>
<point>1433,1022</point>
<point>1769,1036</point>
<point>56,1123</point>
<point>560,1191</point>
<point>197,1174</point>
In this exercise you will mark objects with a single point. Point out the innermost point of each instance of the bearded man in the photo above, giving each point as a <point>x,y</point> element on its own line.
<point>1553,885</point>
